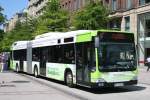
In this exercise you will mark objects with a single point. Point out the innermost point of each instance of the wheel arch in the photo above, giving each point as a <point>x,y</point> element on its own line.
<point>35,67</point>
<point>67,70</point>
<point>17,66</point>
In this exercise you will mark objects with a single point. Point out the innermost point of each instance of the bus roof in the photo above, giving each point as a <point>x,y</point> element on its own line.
<point>52,38</point>
<point>61,34</point>
<point>106,30</point>
<point>19,45</point>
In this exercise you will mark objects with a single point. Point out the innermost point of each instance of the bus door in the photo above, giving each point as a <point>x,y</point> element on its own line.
<point>21,64</point>
<point>83,63</point>
<point>43,60</point>
<point>22,54</point>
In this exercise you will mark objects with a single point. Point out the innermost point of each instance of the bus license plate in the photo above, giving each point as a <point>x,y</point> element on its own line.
<point>118,84</point>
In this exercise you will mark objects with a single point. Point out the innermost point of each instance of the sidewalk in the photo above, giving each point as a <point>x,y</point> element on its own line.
<point>144,76</point>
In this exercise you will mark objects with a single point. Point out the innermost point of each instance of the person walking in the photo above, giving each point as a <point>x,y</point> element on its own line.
<point>148,63</point>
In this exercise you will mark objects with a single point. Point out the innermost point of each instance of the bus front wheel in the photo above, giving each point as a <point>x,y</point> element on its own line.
<point>69,79</point>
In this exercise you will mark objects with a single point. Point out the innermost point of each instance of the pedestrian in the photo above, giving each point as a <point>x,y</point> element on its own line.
<point>148,63</point>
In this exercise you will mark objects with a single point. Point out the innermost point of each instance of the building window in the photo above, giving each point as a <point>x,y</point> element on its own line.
<point>147,27</point>
<point>128,4</point>
<point>147,1</point>
<point>127,23</point>
<point>114,5</point>
<point>115,24</point>
<point>143,2</point>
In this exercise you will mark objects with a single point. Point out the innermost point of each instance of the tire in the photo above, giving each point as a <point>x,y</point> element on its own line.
<point>69,79</point>
<point>36,74</point>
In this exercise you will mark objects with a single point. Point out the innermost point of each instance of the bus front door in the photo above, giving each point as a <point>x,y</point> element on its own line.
<point>82,63</point>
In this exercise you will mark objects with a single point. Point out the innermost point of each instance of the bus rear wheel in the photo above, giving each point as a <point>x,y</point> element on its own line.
<point>69,79</point>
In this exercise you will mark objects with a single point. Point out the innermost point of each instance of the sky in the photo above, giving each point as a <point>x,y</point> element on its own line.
<point>12,6</point>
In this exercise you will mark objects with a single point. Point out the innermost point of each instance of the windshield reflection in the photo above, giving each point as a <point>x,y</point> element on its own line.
<point>117,57</point>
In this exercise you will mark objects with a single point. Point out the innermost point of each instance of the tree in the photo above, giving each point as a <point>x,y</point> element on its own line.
<point>2,18</point>
<point>93,16</point>
<point>22,31</point>
<point>1,35</point>
<point>53,19</point>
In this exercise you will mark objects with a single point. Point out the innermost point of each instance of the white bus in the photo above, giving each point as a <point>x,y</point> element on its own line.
<point>100,58</point>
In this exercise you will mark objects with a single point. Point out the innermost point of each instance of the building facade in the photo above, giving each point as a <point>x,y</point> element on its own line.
<point>127,15</point>
<point>35,7</point>
<point>72,5</point>
<point>133,16</point>
<point>10,24</point>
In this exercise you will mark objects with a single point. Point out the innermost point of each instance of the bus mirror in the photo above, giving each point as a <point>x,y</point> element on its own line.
<point>96,42</point>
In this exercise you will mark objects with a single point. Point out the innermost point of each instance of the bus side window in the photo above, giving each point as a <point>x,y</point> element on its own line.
<point>57,54</point>
<point>35,54</point>
<point>69,54</point>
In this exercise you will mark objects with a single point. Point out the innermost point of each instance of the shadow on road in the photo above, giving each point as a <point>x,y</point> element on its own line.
<point>20,81</point>
<point>113,89</point>
<point>102,90</point>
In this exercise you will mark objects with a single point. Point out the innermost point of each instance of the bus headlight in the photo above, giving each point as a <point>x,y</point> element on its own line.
<point>101,80</point>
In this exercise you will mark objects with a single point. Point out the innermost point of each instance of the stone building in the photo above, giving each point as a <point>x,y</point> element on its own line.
<point>10,24</point>
<point>133,16</point>
<point>127,15</point>
<point>35,7</point>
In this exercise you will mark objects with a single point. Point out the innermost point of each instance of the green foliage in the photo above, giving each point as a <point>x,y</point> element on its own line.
<point>1,22</point>
<point>52,6</point>
<point>2,18</point>
<point>53,19</point>
<point>21,32</point>
<point>93,16</point>
<point>1,34</point>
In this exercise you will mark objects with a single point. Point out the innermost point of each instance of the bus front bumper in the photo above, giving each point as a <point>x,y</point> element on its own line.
<point>114,84</point>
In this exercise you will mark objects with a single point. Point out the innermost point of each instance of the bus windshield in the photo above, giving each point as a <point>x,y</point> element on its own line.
<point>117,57</point>
<point>116,51</point>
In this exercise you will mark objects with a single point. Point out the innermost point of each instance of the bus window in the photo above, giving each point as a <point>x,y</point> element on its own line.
<point>35,54</point>
<point>56,54</point>
<point>114,56</point>
<point>19,55</point>
<point>69,55</point>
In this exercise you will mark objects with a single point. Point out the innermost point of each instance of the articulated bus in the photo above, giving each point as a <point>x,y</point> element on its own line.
<point>90,58</point>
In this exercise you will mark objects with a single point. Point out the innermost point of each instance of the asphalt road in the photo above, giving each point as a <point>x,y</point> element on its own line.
<point>25,87</point>
<point>18,87</point>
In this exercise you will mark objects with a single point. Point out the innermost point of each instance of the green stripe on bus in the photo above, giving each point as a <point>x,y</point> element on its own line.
<point>84,37</point>
<point>96,75</point>
<point>11,65</point>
